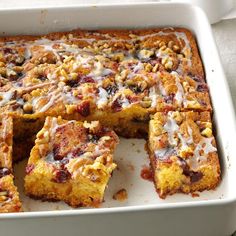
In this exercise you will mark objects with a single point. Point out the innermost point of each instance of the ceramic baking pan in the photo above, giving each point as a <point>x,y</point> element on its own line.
<point>143,213</point>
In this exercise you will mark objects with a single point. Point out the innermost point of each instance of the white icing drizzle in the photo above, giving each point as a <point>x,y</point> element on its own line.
<point>138,67</point>
<point>153,96</point>
<point>6,97</point>
<point>205,146</point>
<point>180,92</point>
<point>5,202</point>
<point>201,150</point>
<point>99,70</point>
<point>171,127</point>
<point>51,102</point>
<point>103,97</point>
<point>164,153</point>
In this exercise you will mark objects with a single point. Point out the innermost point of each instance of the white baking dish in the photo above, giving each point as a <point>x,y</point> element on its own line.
<point>213,213</point>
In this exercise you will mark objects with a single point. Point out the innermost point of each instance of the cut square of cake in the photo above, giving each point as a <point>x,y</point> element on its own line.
<point>9,197</point>
<point>183,152</point>
<point>71,161</point>
<point>6,141</point>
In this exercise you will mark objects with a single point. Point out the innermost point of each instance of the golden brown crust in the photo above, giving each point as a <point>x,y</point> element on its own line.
<point>9,197</point>
<point>6,136</point>
<point>183,152</point>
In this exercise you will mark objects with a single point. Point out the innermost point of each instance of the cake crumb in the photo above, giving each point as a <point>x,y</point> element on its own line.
<point>130,166</point>
<point>146,173</point>
<point>195,194</point>
<point>121,195</point>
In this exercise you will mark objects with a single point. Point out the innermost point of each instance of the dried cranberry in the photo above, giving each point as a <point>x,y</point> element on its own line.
<point>78,151</point>
<point>56,153</point>
<point>29,168</point>
<point>184,166</point>
<point>111,89</point>
<point>203,103</point>
<point>147,173</point>
<point>84,108</point>
<point>195,176</point>
<point>197,78</point>
<point>86,80</point>
<point>4,171</point>
<point>7,50</point>
<point>169,98</point>
<point>202,88</point>
<point>116,105</point>
<point>61,176</point>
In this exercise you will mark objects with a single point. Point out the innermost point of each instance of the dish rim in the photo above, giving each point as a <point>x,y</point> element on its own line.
<point>177,205</point>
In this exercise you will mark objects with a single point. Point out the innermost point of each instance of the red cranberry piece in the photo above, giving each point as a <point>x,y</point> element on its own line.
<point>197,78</point>
<point>56,153</point>
<point>169,98</point>
<point>202,88</point>
<point>4,171</point>
<point>87,80</point>
<point>84,108</point>
<point>61,176</point>
<point>78,151</point>
<point>146,173</point>
<point>29,168</point>
<point>195,176</point>
<point>116,105</point>
<point>7,50</point>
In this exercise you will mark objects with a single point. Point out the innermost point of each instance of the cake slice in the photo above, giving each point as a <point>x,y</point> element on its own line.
<point>183,152</point>
<point>6,140</point>
<point>71,161</point>
<point>9,196</point>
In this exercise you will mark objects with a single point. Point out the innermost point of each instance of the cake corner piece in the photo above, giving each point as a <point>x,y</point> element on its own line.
<point>183,152</point>
<point>71,161</point>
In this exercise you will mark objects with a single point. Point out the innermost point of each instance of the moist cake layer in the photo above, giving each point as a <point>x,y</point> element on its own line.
<point>183,152</point>
<point>71,161</point>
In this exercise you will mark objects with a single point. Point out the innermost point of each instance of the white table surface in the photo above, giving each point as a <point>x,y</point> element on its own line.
<point>225,35</point>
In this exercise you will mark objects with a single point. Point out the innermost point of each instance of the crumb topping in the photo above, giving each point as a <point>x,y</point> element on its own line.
<point>74,148</point>
<point>81,71</point>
